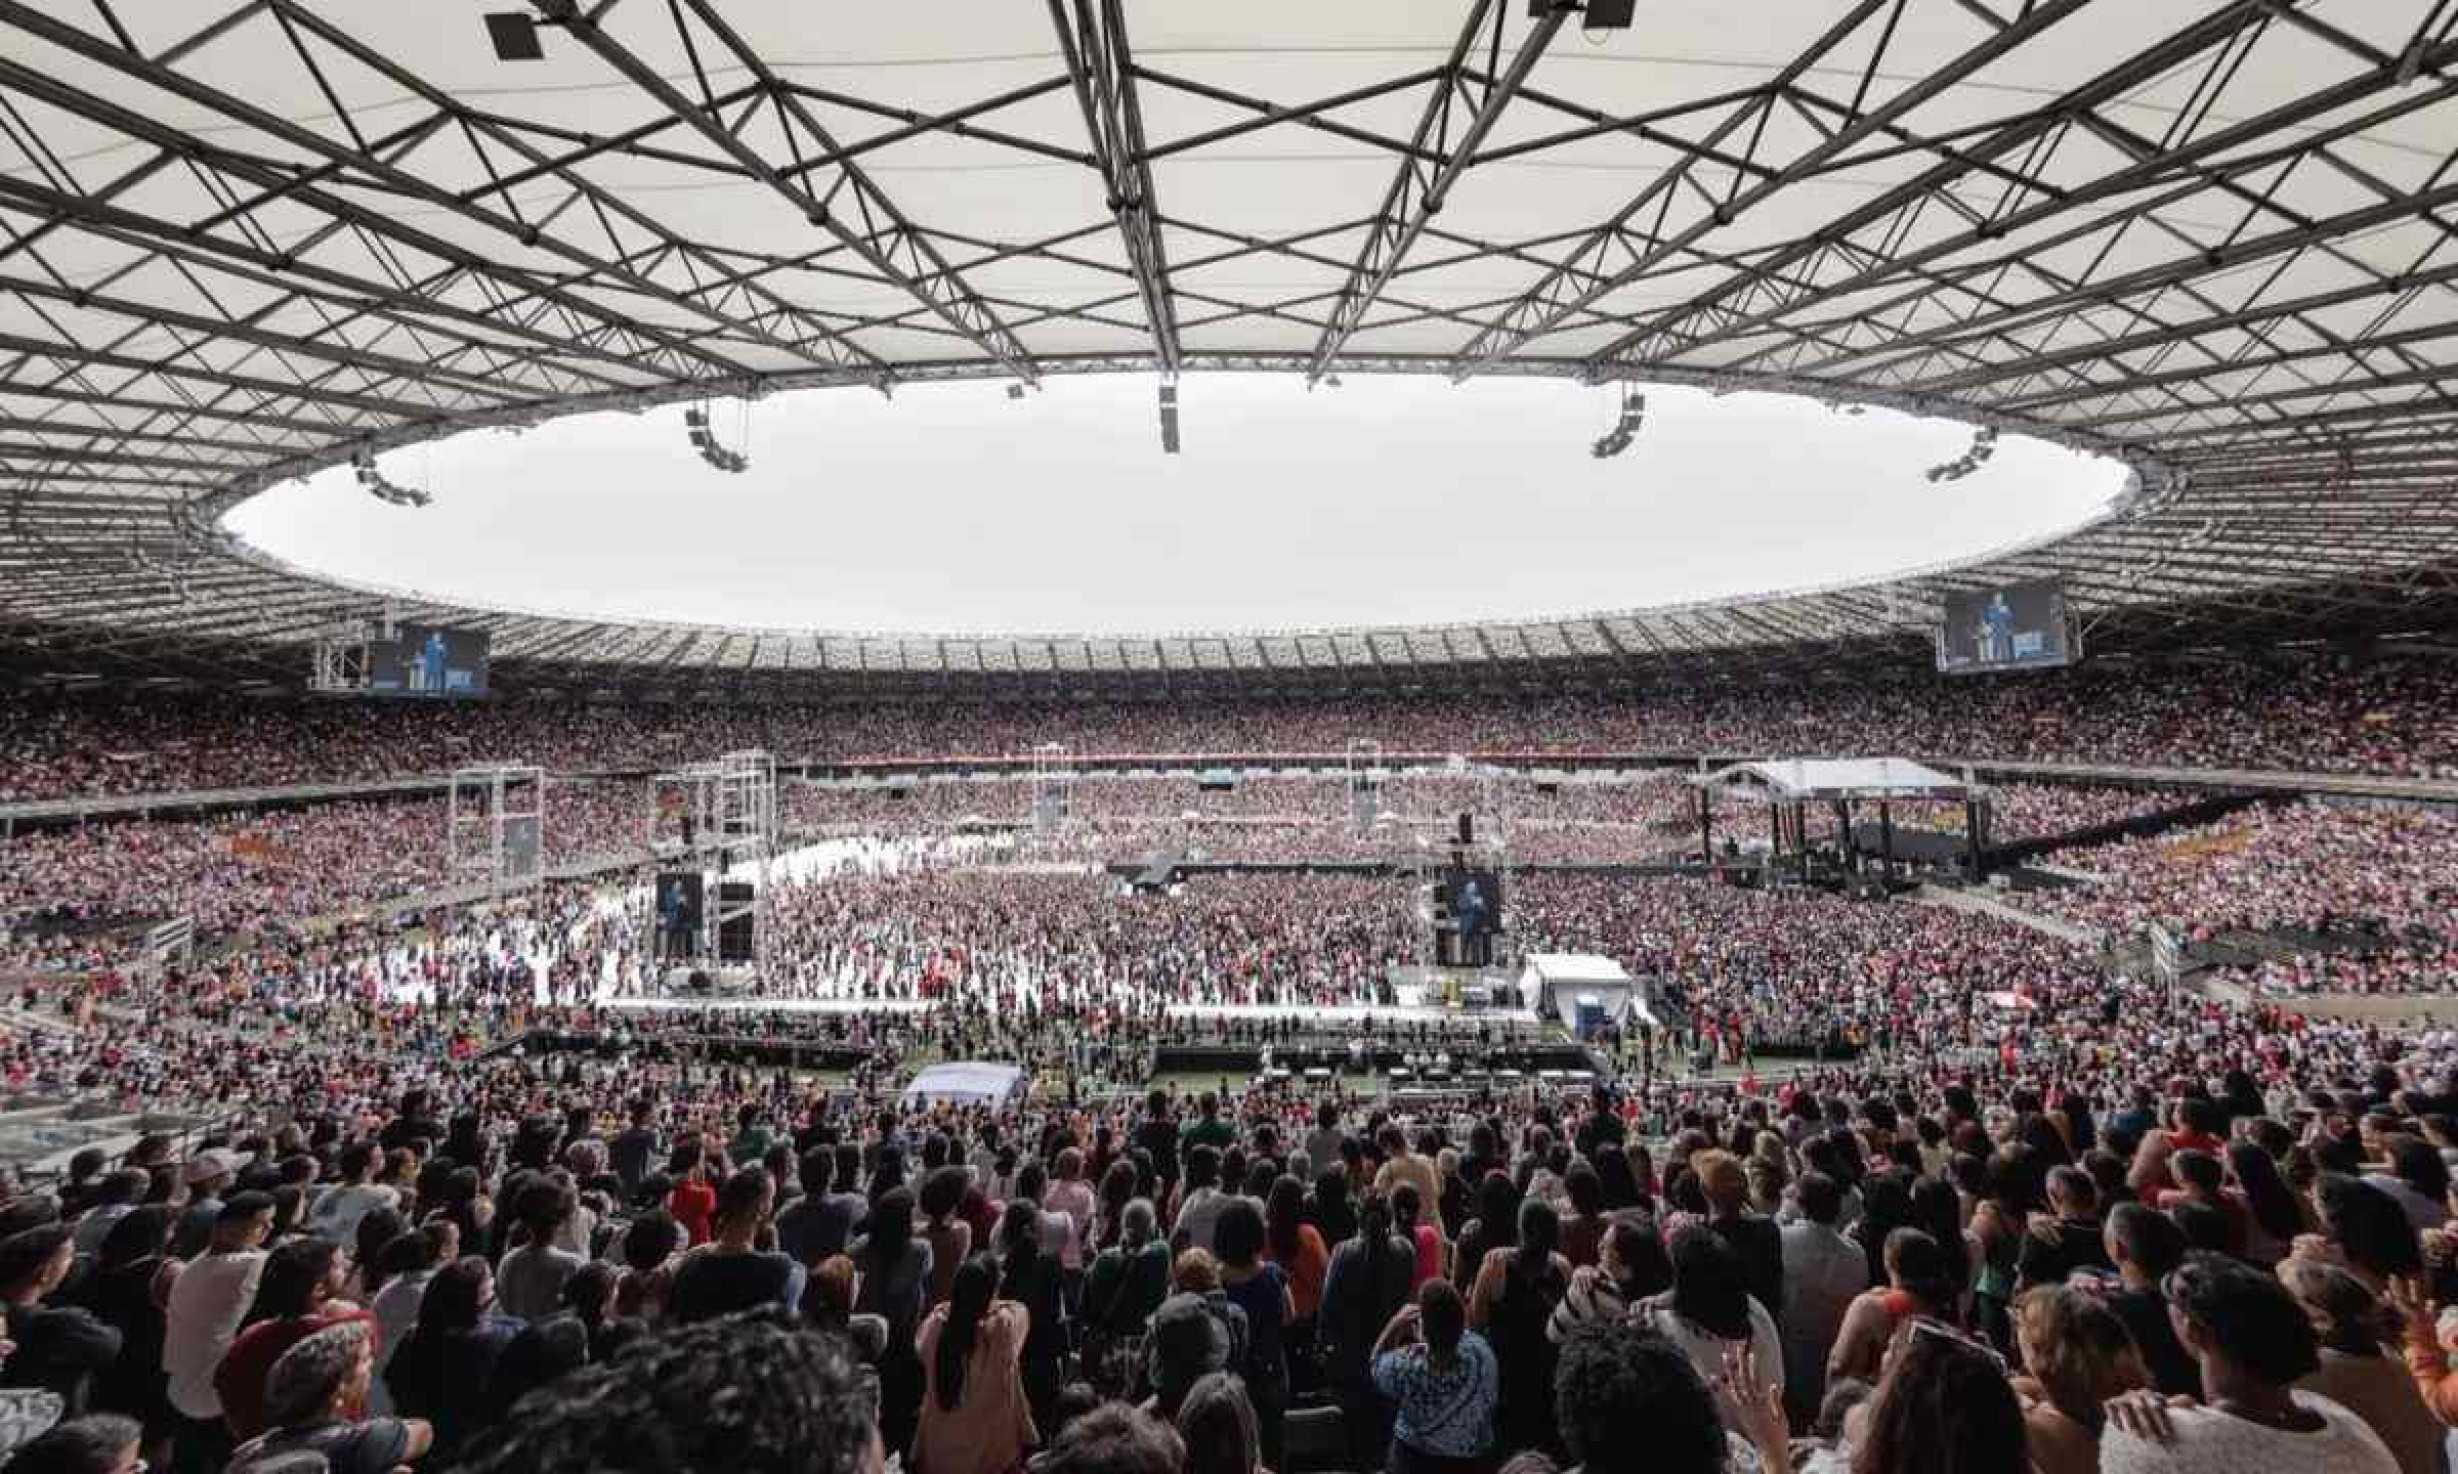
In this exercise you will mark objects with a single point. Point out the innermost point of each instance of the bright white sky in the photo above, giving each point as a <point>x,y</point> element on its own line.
<point>1387,500</point>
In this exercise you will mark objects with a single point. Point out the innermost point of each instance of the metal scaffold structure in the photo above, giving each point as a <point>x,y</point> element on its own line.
<point>1053,789</point>
<point>495,827</point>
<point>714,839</point>
<point>1366,775</point>
<point>2204,238</point>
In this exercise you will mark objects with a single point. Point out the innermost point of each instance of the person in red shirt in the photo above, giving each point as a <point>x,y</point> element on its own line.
<point>298,1295</point>
<point>694,1199</point>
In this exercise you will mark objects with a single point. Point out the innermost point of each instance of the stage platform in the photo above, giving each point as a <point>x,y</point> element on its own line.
<point>1408,1011</point>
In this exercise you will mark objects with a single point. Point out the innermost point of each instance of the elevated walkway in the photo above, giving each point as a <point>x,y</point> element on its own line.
<point>1981,903</point>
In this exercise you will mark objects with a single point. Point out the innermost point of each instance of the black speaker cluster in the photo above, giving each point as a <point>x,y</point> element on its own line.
<point>704,441</point>
<point>363,465</point>
<point>1984,445</point>
<point>1616,440</point>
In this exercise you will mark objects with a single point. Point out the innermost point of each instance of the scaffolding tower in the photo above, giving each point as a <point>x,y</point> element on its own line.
<point>1053,788</point>
<point>1366,775</point>
<point>495,828</point>
<point>715,822</point>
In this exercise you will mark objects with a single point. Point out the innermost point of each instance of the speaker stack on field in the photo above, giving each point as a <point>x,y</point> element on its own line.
<point>734,932</point>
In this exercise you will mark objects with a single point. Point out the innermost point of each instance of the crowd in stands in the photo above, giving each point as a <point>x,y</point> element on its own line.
<point>2385,716</point>
<point>246,870</point>
<point>2224,1245</point>
<point>2310,868</point>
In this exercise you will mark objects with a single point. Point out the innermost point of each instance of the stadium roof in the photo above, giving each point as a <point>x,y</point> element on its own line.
<point>243,241</point>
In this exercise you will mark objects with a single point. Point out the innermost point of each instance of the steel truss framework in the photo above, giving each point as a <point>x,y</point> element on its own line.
<point>245,241</point>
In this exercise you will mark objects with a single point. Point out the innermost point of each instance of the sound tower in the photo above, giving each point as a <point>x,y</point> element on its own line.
<point>734,930</point>
<point>1467,830</point>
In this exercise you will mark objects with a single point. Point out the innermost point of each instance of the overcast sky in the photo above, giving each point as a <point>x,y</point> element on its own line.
<point>1386,500</point>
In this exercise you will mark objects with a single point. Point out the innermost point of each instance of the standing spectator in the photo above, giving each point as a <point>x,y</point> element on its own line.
<point>817,1226</point>
<point>1944,1403</point>
<point>1710,1307</point>
<point>1030,1276</point>
<point>297,1296</point>
<point>950,1238</point>
<point>1823,1272</point>
<point>1297,1247</point>
<point>1442,1382</point>
<point>1426,1241</point>
<point>1127,1283</point>
<point>2356,1372</point>
<point>732,1272</point>
<point>895,1273</point>
<point>1517,1291</point>
<point>1259,1287</point>
<point>2147,1247</point>
<point>693,1200</point>
<point>120,1290</point>
<point>1633,1267</point>
<point>1201,1207</point>
<point>1324,1141</point>
<point>209,1174</point>
<point>1494,1226</point>
<point>98,1443</point>
<point>1367,1284</point>
<point>59,1348</point>
<point>208,1299</point>
<point>634,1147</point>
<point>1218,1425</point>
<point>2076,1356</point>
<point>1755,1240</point>
<point>340,1207</point>
<point>1401,1165</point>
<point>1157,1136</point>
<point>1583,1228</point>
<point>1070,1194</point>
<point>974,1416</point>
<point>410,1262</point>
<point>315,1402</point>
<point>2254,1343</point>
<point>529,1281</point>
<point>440,1374</point>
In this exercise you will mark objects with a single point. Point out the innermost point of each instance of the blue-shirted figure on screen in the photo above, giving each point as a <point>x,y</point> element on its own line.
<point>1470,907</point>
<point>427,666</point>
<point>1997,629</point>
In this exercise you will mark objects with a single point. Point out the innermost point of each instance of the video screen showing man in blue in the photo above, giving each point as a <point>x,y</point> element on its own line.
<point>2013,627</point>
<point>429,660</point>
<point>1476,903</point>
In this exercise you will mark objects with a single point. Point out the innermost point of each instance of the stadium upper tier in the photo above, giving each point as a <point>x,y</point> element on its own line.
<point>245,241</point>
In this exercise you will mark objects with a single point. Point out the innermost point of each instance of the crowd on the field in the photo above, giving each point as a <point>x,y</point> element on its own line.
<point>2385,716</point>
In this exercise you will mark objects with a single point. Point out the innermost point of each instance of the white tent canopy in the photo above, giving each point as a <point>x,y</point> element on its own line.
<point>966,1082</point>
<point>1801,780</point>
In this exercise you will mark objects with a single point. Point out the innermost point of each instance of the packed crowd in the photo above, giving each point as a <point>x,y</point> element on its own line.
<point>1809,969</point>
<point>2223,1246</point>
<point>247,870</point>
<point>1007,936</point>
<point>2310,868</point>
<point>2387,716</point>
